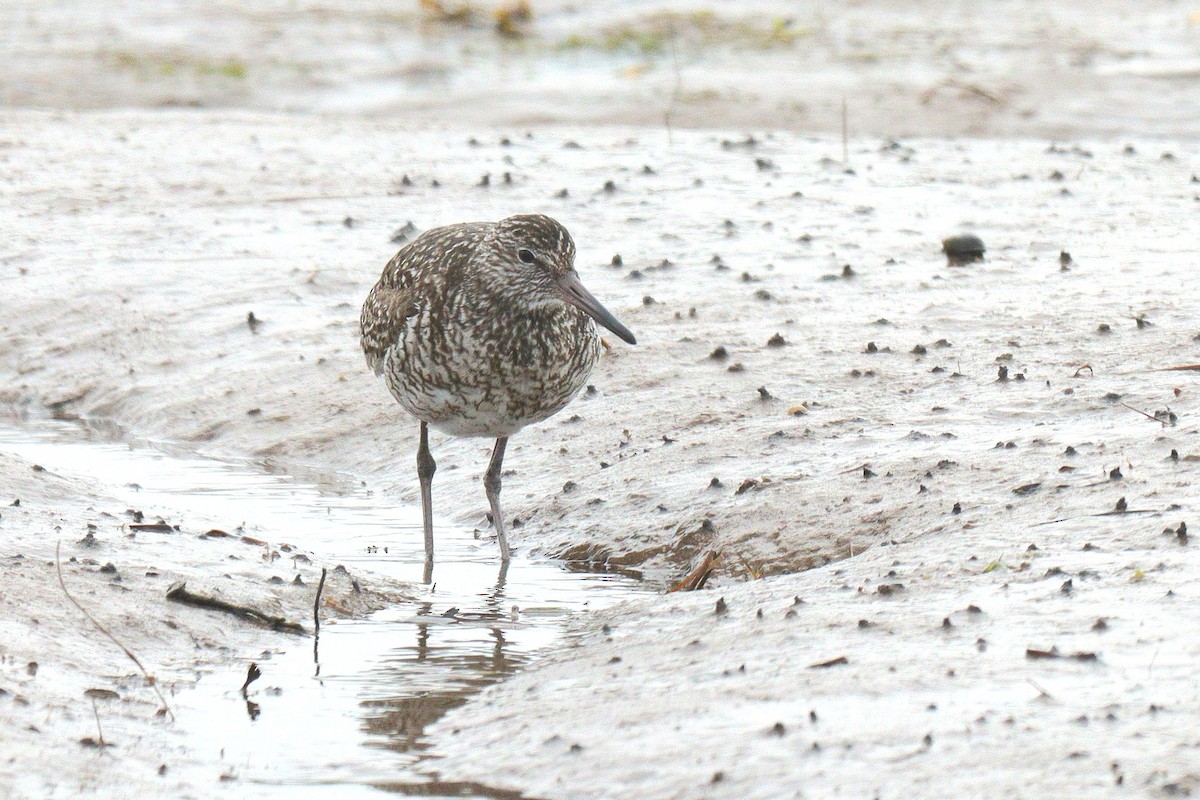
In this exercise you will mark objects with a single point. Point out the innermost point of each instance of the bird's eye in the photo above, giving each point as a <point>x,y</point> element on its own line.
<point>526,256</point>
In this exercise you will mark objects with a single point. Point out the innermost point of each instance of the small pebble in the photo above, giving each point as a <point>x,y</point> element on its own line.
<point>963,249</point>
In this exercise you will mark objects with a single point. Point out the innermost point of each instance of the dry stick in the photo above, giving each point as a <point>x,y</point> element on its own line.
<point>1144,414</point>
<point>153,683</point>
<point>674,90</point>
<point>99,730</point>
<point>699,576</point>
<point>317,605</point>
<point>178,592</point>
<point>1180,368</point>
<point>845,135</point>
<point>1126,512</point>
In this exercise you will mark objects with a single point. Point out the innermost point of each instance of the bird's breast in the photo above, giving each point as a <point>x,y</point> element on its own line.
<point>491,374</point>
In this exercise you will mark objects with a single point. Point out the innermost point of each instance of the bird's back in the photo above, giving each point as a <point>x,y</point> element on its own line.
<point>417,278</point>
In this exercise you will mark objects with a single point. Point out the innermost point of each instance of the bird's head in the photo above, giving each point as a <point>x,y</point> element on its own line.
<point>536,255</point>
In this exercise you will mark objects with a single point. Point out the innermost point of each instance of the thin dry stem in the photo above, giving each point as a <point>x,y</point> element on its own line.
<point>149,678</point>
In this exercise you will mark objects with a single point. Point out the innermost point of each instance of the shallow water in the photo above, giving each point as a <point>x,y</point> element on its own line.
<point>344,717</point>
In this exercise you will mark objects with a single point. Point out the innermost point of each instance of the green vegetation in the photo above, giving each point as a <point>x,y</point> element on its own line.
<point>150,64</point>
<point>696,30</point>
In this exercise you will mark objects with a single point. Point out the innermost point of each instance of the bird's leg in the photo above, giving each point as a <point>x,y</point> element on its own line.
<point>425,469</point>
<point>491,484</point>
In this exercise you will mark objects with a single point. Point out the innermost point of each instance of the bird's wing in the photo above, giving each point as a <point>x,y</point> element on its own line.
<point>416,277</point>
<point>385,314</point>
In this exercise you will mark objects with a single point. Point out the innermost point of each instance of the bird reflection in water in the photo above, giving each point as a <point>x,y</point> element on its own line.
<point>447,674</point>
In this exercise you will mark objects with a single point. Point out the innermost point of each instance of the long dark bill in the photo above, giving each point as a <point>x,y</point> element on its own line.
<point>576,295</point>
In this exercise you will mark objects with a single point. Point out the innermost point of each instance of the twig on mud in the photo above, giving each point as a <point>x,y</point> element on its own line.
<point>1144,414</point>
<point>1114,513</point>
<point>99,730</point>
<point>180,594</point>
<point>149,678</point>
<point>1088,367</point>
<point>699,576</point>
<point>833,662</point>
<point>674,89</point>
<point>756,574</point>
<point>1041,691</point>
<point>845,134</point>
<point>317,605</point>
<point>970,88</point>
<point>1180,368</point>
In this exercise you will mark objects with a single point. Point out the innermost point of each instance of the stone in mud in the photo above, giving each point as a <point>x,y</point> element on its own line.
<point>963,249</point>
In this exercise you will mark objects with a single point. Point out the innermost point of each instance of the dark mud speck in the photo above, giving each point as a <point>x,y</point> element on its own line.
<point>963,249</point>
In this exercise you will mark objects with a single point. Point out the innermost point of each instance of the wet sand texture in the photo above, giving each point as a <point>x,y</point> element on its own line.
<point>867,407</point>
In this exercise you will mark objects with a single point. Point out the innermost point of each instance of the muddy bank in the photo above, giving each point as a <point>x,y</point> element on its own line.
<point>812,378</point>
<point>120,564</point>
<point>994,659</point>
<point>1011,68</point>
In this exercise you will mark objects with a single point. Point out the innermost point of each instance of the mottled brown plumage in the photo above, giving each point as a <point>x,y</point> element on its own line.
<point>480,329</point>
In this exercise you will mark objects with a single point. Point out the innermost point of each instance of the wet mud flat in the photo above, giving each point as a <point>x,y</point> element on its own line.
<point>1013,68</point>
<point>161,653</point>
<point>814,389</point>
<point>105,643</point>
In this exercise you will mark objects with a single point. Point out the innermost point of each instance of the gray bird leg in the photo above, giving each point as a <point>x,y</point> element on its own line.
<point>425,469</point>
<point>491,484</point>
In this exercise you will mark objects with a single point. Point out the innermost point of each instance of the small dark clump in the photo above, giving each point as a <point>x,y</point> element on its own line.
<point>963,249</point>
